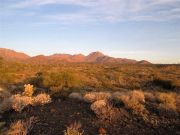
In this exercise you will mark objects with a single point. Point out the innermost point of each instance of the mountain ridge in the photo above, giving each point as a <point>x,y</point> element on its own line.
<point>93,57</point>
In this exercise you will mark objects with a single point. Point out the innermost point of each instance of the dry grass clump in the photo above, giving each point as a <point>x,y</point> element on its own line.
<point>28,90</point>
<point>98,105</point>
<point>74,129</point>
<point>41,99</point>
<point>94,96</point>
<point>76,95</point>
<point>105,111</point>
<point>134,101</point>
<point>21,127</point>
<point>138,96</point>
<point>19,101</point>
<point>167,101</point>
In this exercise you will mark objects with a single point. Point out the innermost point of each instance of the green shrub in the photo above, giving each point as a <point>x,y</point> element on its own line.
<point>58,81</point>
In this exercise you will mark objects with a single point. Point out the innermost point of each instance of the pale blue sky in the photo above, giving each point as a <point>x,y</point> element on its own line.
<point>137,29</point>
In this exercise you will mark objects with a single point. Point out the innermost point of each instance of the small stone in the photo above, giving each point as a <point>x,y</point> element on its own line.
<point>53,110</point>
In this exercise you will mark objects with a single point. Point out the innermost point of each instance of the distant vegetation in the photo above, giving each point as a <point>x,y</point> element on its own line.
<point>90,76</point>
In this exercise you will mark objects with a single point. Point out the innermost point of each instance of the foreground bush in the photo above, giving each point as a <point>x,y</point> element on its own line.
<point>21,127</point>
<point>41,99</point>
<point>74,129</point>
<point>134,101</point>
<point>167,104</point>
<point>28,90</point>
<point>19,101</point>
<point>105,111</point>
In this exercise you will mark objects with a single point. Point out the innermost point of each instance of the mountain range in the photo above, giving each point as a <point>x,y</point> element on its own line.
<point>94,57</point>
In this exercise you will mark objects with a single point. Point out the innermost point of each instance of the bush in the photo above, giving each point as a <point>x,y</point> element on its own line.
<point>105,110</point>
<point>28,90</point>
<point>74,129</point>
<point>19,101</point>
<point>41,99</point>
<point>21,127</point>
<point>60,79</point>
<point>134,101</point>
<point>167,101</point>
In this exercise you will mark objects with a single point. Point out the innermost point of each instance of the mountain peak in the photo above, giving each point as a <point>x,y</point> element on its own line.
<point>97,53</point>
<point>12,55</point>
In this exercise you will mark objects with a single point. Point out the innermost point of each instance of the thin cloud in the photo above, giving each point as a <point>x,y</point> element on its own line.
<point>106,11</point>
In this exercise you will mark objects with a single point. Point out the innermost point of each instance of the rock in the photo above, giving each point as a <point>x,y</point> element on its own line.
<point>94,96</point>
<point>76,95</point>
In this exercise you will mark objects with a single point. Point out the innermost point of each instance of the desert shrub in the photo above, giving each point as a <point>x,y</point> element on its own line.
<point>19,102</point>
<point>21,127</point>
<point>134,101</point>
<point>94,96</point>
<point>74,129</point>
<point>137,95</point>
<point>60,79</point>
<point>98,105</point>
<point>60,82</point>
<point>76,95</point>
<point>41,99</point>
<point>36,80</point>
<point>28,90</point>
<point>167,101</point>
<point>132,95</point>
<point>105,111</point>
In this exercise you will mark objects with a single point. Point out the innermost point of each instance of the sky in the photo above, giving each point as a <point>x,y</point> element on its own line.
<point>135,29</point>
